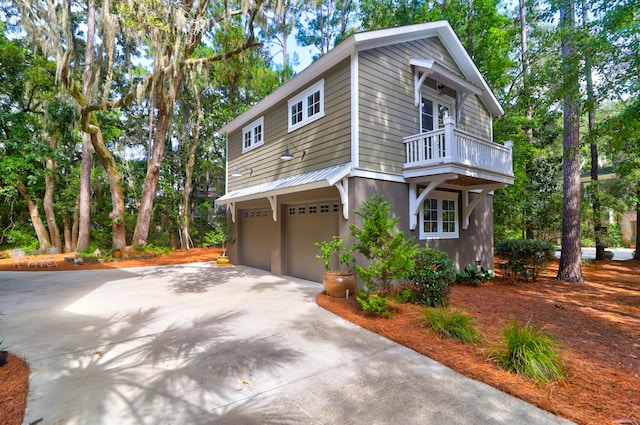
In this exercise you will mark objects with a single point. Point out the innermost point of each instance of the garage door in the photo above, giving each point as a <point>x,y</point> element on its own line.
<point>305,224</point>
<point>255,230</point>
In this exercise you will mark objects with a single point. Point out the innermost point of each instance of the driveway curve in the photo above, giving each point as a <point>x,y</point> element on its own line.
<point>195,344</point>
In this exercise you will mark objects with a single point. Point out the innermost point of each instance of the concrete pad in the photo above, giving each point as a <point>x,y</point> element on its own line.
<point>194,344</point>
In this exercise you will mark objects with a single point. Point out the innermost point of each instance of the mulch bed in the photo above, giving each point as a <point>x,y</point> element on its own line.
<point>14,381</point>
<point>597,322</point>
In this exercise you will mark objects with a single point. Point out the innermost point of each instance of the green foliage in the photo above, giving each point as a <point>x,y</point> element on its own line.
<point>475,276</point>
<point>453,323</point>
<point>23,238</point>
<point>390,254</point>
<point>524,258</point>
<point>613,237</point>
<point>335,247</point>
<point>220,235</point>
<point>530,352</point>
<point>375,304</point>
<point>433,274</point>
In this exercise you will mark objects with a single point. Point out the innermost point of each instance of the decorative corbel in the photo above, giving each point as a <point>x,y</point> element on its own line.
<point>415,200</point>
<point>418,81</point>
<point>232,209</point>
<point>273,201</point>
<point>343,190</point>
<point>467,207</point>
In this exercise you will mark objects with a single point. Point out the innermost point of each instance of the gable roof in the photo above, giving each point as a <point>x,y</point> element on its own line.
<point>369,40</point>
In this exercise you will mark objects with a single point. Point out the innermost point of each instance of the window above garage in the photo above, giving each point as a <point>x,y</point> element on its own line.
<point>253,135</point>
<point>307,106</point>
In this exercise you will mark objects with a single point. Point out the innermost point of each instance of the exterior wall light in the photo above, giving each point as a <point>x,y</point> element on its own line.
<point>288,156</point>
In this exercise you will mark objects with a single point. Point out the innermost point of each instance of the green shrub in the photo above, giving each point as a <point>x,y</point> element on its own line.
<point>524,258</point>
<point>433,275</point>
<point>476,277</point>
<point>530,352</point>
<point>402,294</point>
<point>375,304</point>
<point>453,323</point>
<point>389,253</point>
<point>23,238</point>
<point>613,237</point>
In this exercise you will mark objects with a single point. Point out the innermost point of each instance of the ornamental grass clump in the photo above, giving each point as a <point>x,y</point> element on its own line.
<point>530,352</point>
<point>453,323</point>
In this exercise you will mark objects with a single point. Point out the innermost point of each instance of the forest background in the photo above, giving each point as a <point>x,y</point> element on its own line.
<point>109,110</point>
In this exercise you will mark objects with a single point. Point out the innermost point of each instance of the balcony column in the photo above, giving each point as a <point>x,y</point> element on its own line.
<point>450,146</point>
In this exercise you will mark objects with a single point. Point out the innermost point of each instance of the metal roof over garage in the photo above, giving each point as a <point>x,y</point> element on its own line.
<point>325,177</point>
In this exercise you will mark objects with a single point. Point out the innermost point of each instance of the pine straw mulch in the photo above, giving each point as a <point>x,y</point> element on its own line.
<point>597,322</point>
<point>14,376</point>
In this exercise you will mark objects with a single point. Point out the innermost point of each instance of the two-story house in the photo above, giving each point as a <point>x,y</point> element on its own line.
<point>403,112</point>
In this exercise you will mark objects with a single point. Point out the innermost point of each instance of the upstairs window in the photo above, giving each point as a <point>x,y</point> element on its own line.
<point>439,216</point>
<point>307,106</point>
<point>253,135</point>
<point>433,109</point>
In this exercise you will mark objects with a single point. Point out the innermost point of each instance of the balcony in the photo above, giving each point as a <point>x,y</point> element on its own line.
<point>451,151</point>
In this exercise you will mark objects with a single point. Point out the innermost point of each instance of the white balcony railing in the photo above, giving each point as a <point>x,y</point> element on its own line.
<point>453,146</point>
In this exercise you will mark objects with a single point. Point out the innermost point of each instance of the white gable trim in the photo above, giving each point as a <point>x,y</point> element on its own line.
<point>371,40</point>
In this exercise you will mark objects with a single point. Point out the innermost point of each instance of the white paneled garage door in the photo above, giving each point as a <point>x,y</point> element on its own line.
<point>305,224</point>
<point>255,230</point>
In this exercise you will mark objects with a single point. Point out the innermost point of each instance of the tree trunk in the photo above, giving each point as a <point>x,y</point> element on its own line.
<point>41,231</point>
<point>84,207</point>
<point>591,109</point>
<point>570,268</point>
<point>66,230</point>
<point>164,104</point>
<point>188,180</point>
<point>75,226</point>
<point>47,202</point>
<point>115,188</point>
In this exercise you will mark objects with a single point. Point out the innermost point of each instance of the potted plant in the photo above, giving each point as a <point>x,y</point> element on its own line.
<point>220,236</point>
<point>339,282</point>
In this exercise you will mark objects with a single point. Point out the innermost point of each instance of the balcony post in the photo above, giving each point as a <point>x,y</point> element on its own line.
<point>450,145</point>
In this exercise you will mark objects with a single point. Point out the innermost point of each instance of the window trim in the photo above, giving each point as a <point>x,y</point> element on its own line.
<point>441,196</point>
<point>304,98</point>
<point>250,129</point>
<point>435,97</point>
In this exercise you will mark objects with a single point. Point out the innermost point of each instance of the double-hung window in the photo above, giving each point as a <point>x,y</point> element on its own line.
<point>307,106</point>
<point>253,135</point>
<point>439,216</point>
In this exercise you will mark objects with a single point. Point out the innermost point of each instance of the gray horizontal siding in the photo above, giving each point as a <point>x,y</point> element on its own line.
<point>327,140</point>
<point>386,102</point>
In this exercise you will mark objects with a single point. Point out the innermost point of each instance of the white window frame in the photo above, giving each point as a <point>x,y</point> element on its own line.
<point>440,196</point>
<point>251,131</point>
<point>304,99</point>
<point>436,99</point>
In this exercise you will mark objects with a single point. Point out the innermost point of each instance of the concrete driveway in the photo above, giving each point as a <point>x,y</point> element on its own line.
<point>194,344</point>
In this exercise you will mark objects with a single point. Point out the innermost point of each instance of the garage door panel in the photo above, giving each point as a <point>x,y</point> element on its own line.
<point>306,224</point>
<point>255,238</point>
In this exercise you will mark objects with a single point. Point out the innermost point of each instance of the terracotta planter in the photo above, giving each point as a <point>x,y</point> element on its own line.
<point>337,284</point>
<point>117,254</point>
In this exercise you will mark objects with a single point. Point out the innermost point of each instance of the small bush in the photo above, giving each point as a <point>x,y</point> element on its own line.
<point>524,258</point>
<point>375,304</point>
<point>433,275</point>
<point>402,294</point>
<point>530,352</point>
<point>476,277</point>
<point>453,323</point>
